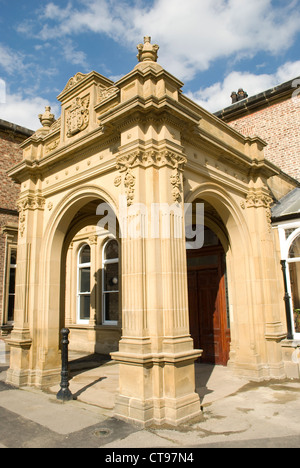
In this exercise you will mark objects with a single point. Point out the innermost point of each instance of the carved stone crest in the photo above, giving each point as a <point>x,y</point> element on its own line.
<point>78,116</point>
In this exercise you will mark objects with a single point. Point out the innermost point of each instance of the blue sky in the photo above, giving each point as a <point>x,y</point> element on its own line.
<point>213,46</point>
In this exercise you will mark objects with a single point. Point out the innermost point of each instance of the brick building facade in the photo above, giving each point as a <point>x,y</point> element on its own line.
<point>10,154</point>
<point>274,116</point>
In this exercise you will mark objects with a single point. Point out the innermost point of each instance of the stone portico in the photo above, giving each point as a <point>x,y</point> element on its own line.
<point>143,141</point>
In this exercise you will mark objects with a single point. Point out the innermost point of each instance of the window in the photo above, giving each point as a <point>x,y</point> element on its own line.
<point>84,284</point>
<point>294,271</point>
<point>294,251</point>
<point>11,285</point>
<point>111,283</point>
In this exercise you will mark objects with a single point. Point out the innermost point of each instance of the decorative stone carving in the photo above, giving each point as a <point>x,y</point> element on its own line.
<point>118,181</point>
<point>260,199</point>
<point>147,51</point>
<point>22,222</point>
<point>47,119</point>
<point>93,240</point>
<point>74,80</point>
<point>176,183</point>
<point>151,158</point>
<point>129,183</point>
<point>56,125</point>
<point>52,146</point>
<point>29,203</point>
<point>78,116</point>
<point>158,159</point>
<point>105,93</point>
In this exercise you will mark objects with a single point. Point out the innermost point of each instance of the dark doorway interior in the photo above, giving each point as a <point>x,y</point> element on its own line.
<point>208,310</point>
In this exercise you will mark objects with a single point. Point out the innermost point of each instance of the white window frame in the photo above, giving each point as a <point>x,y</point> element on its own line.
<point>81,293</point>
<point>10,266</point>
<point>285,245</point>
<point>104,293</point>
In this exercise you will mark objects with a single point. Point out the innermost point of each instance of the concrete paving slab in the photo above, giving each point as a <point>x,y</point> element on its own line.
<point>98,386</point>
<point>236,413</point>
<point>59,417</point>
<point>4,353</point>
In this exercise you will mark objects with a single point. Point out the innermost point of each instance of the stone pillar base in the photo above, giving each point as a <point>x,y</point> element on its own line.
<point>21,374</point>
<point>17,378</point>
<point>158,412</point>
<point>157,389</point>
<point>20,344</point>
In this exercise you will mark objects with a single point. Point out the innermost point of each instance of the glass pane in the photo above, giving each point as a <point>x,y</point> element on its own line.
<point>85,255</point>
<point>11,308</point>
<point>210,238</point>
<point>111,250</point>
<point>84,307</point>
<point>12,280</point>
<point>13,257</point>
<point>295,287</point>
<point>202,261</point>
<point>84,279</point>
<point>295,248</point>
<point>111,277</point>
<point>111,307</point>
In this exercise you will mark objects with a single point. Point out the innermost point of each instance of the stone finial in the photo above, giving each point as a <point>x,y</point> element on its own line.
<point>147,51</point>
<point>47,119</point>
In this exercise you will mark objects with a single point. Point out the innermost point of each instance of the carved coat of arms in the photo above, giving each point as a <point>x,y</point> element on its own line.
<point>78,116</point>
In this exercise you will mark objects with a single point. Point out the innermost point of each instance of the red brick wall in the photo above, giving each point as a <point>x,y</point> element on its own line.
<point>10,154</point>
<point>279,126</point>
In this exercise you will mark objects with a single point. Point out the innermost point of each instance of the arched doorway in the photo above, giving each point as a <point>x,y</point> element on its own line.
<point>91,303</point>
<point>208,301</point>
<point>77,211</point>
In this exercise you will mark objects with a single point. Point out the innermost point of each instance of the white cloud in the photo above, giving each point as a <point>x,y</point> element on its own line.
<point>2,91</point>
<point>54,12</point>
<point>217,96</point>
<point>72,55</point>
<point>203,31</point>
<point>24,111</point>
<point>191,35</point>
<point>11,61</point>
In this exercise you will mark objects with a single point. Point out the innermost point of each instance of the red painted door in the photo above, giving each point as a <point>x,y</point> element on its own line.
<point>207,305</point>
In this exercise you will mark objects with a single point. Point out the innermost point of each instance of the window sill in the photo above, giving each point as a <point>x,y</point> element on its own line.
<point>295,343</point>
<point>78,326</point>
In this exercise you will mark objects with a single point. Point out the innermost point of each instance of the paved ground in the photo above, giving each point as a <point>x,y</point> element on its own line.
<point>236,413</point>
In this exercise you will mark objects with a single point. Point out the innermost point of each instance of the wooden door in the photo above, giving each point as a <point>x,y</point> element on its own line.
<point>207,305</point>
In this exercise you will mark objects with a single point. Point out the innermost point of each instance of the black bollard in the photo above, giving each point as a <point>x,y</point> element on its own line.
<point>65,394</point>
<point>287,300</point>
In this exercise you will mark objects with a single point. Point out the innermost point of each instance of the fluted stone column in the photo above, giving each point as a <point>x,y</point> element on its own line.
<point>156,355</point>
